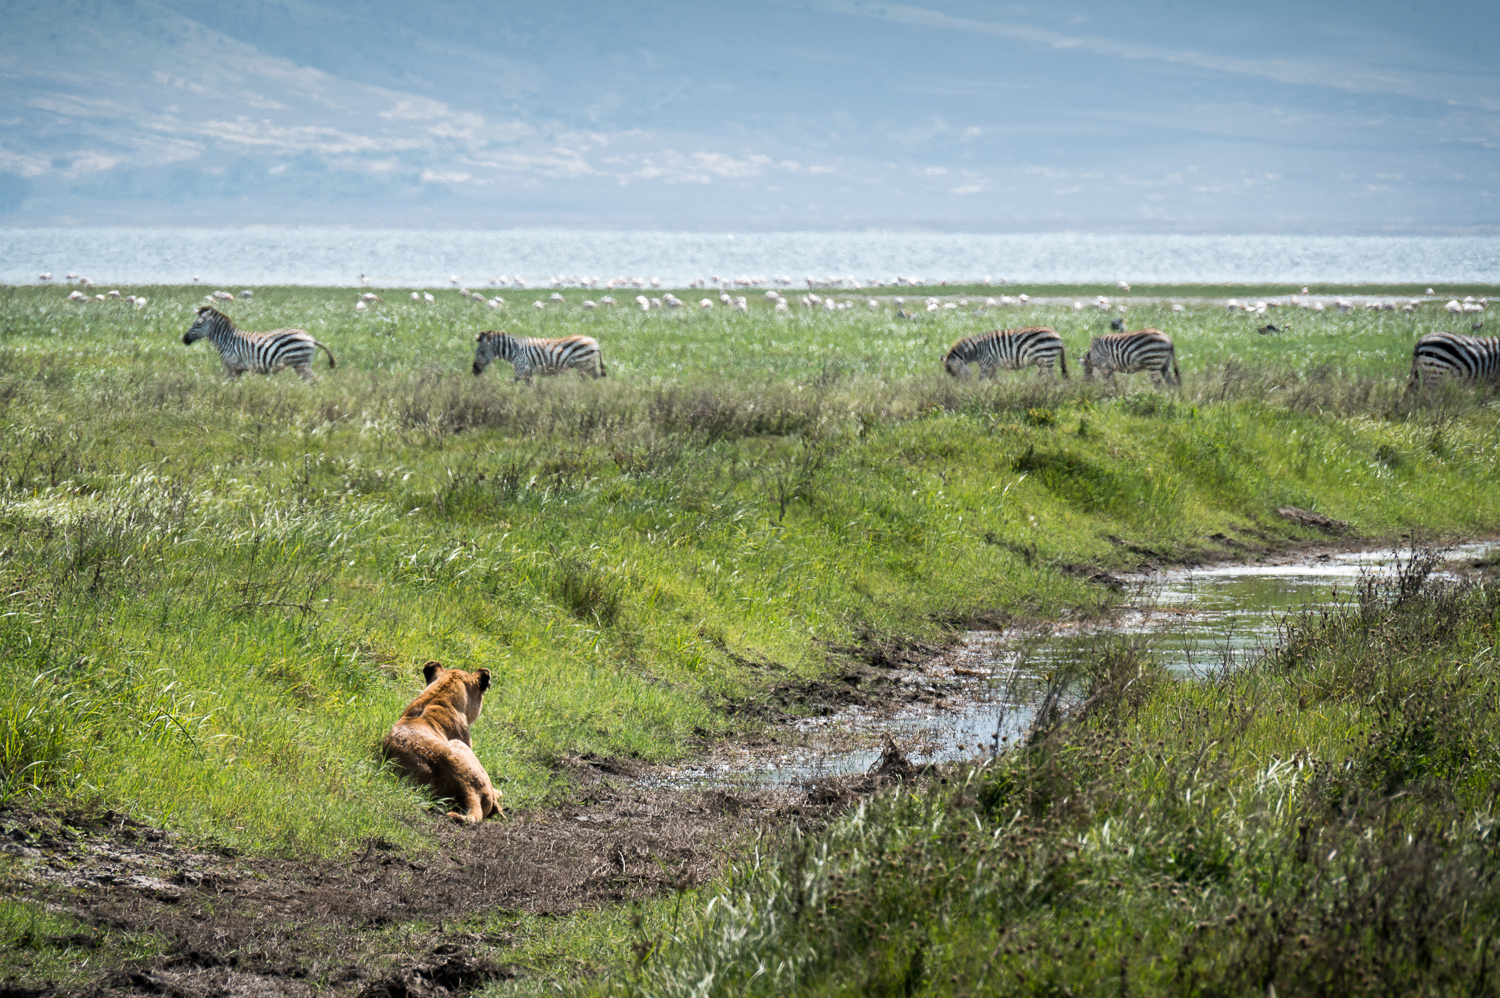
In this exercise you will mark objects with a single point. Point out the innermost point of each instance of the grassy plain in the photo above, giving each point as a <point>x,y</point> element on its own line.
<point>218,593</point>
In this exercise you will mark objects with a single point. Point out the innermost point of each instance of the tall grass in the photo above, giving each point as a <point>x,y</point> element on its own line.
<point>217,593</point>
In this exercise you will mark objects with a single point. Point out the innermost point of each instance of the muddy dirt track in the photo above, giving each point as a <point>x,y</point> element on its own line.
<point>383,923</point>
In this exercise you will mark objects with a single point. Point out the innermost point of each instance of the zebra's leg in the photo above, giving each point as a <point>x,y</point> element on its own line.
<point>306,371</point>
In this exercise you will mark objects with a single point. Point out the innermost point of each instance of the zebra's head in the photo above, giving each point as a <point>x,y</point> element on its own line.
<point>1092,359</point>
<point>207,320</point>
<point>957,361</point>
<point>491,345</point>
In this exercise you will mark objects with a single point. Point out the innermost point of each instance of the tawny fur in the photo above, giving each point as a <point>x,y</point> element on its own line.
<point>431,745</point>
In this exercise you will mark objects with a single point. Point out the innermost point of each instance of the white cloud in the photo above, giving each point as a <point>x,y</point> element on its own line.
<point>1453,88</point>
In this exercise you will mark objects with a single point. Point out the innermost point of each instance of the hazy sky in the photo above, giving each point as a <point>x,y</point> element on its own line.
<point>1155,116</point>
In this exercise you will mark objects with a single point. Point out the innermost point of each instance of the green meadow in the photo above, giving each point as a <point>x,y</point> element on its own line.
<point>217,594</point>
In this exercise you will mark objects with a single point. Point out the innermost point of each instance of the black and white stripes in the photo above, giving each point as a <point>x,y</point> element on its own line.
<point>1454,355</point>
<point>537,356</point>
<point>1125,353</point>
<point>1008,349</point>
<point>258,353</point>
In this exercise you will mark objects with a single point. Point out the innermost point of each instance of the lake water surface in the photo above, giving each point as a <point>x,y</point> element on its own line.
<point>420,258</point>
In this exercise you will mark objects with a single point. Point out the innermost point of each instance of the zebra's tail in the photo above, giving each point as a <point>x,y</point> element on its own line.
<point>602,372</point>
<point>1176,374</point>
<point>331,363</point>
<point>1062,362</point>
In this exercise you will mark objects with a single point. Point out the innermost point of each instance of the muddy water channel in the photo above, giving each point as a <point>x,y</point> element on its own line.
<point>981,694</point>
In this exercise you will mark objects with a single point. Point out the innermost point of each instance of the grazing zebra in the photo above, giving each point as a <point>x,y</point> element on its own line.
<point>1469,358</point>
<point>534,356</point>
<point>1011,349</point>
<point>258,353</point>
<point>1142,350</point>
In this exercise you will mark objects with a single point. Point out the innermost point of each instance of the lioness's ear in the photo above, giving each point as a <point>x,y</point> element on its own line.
<point>430,671</point>
<point>484,679</point>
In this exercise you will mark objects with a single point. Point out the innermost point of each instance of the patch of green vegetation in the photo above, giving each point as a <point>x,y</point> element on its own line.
<point>40,946</point>
<point>1319,822</point>
<point>217,594</point>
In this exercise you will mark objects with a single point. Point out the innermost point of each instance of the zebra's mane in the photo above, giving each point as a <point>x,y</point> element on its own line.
<point>964,350</point>
<point>216,318</point>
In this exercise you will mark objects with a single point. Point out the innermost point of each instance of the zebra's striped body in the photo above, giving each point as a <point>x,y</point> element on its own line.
<point>1454,355</point>
<point>1010,349</point>
<point>536,356</point>
<point>258,353</point>
<point>1125,353</point>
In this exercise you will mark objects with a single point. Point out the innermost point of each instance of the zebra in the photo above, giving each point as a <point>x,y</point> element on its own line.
<point>1469,358</point>
<point>1010,349</point>
<point>537,356</point>
<point>258,353</point>
<point>1142,350</point>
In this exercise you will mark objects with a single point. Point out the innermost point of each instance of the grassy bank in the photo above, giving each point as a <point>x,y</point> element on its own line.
<point>217,593</point>
<point>1321,822</point>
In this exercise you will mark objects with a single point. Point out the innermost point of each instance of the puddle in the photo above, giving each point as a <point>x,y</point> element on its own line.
<point>982,693</point>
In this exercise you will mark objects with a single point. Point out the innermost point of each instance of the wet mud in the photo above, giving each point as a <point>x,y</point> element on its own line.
<point>386,922</point>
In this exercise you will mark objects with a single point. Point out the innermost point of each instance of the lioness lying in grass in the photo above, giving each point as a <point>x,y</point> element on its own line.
<point>430,743</point>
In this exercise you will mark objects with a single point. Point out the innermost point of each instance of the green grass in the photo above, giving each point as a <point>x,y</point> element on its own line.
<point>37,945</point>
<point>1321,822</point>
<point>217,593</point>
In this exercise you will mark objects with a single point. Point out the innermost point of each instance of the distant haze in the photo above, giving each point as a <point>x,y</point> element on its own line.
<point>1158,116</point>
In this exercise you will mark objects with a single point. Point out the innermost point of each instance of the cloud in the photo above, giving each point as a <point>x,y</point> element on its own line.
<point>1452,88</point>
<point>444,177</point>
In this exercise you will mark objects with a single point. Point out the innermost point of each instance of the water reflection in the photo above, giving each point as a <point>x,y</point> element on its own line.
<point>1191,621</point>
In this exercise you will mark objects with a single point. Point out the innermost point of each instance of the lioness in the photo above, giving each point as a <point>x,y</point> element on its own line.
<point>430,744</point>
